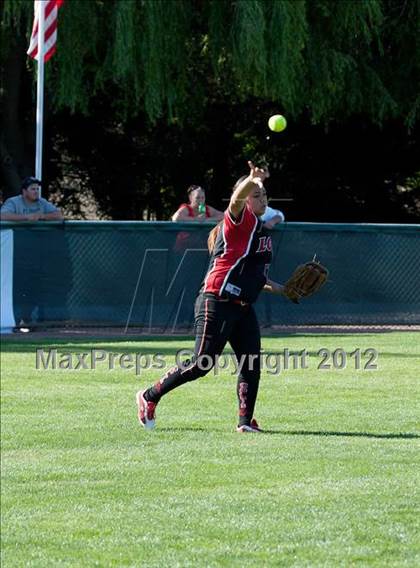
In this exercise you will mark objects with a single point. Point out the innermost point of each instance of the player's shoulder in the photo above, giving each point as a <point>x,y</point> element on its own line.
<point>246,217</point>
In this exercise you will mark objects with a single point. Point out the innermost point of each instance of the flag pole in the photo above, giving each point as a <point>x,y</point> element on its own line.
<point>40,91</point>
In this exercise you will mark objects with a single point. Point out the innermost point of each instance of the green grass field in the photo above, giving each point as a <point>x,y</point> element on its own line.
<point>334,481</point>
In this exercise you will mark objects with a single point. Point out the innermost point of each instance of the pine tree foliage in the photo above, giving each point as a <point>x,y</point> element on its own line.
<point>328,59</point>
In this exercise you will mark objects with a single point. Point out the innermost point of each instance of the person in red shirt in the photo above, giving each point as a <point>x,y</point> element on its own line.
<point>241,253</point>
<point>196,209</point>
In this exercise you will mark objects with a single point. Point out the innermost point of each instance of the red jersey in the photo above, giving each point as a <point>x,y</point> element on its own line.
<point>241,258</point>
<point>187,239</point>
<point>191,210</point>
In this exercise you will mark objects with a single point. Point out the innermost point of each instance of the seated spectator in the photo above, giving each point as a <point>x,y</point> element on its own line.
<point>29,206</point>
<point>271,217</point>
<point>196,209</point>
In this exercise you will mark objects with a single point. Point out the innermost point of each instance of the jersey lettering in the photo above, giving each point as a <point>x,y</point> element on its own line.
<point>265,244</point>
<point>240,259</point>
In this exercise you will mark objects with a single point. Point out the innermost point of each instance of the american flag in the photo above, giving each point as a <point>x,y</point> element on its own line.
<point>50,36</point>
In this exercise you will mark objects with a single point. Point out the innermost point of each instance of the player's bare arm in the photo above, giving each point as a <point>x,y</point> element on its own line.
<point>251,183</point>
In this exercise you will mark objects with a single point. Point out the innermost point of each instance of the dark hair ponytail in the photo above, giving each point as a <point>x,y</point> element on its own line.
<point>214,233</point>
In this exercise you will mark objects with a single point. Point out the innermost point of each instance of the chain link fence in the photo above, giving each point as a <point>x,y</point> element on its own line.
<point>147,274</point>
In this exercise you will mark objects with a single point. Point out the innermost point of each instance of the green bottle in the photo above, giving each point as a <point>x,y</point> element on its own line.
<point>201,208</point>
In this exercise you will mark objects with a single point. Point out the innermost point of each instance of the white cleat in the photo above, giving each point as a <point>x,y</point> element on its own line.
<point>253,428</point>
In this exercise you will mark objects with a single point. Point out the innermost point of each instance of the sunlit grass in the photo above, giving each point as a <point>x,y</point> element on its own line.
<point>334,481</point>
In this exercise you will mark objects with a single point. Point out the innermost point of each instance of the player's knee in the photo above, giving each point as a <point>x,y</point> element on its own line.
<point>205,364</point>
<point>198,367</point>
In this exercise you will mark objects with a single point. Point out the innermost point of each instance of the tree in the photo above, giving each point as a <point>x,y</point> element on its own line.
<point>180,89</point>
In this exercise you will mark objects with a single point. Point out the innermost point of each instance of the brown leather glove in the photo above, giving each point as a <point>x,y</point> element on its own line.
<point>307,279</point>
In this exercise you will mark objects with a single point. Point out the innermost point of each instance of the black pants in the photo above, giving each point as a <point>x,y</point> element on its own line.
<point>217,322</point>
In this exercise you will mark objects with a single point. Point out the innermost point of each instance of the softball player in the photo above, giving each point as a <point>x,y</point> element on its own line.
<point>241,254</point>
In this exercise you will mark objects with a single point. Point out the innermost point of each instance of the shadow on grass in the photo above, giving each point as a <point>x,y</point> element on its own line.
<point>110,346</point>
<point>400,436</point>
<point>182,429</point>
